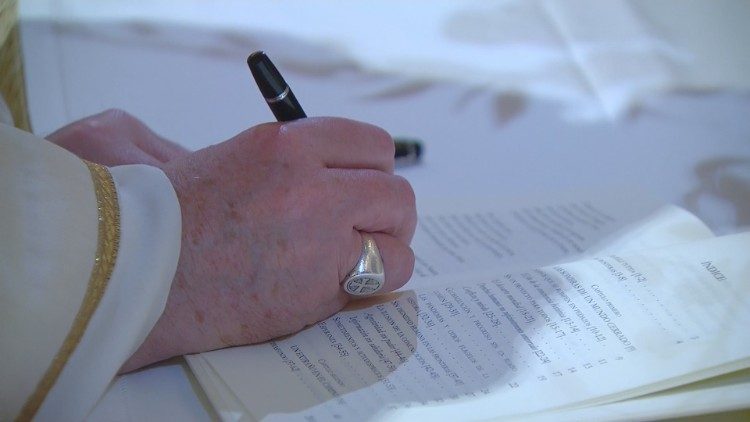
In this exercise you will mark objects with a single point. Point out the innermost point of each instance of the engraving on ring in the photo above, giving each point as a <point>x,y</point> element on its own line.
<point>361,286</point>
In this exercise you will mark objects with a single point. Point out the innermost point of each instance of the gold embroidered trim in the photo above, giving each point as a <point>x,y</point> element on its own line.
<point>12,86</point>
<point>108,243</point>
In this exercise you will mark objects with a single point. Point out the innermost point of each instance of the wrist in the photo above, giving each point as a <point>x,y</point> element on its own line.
<point>158,345</point>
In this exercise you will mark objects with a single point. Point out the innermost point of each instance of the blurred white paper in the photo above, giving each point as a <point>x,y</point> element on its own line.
<point>597,58</point>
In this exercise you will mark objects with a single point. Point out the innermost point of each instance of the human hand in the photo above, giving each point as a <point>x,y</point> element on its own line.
<point>271,225</point>
<point>114,138</point>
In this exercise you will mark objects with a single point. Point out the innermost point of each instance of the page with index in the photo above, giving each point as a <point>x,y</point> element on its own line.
<point>503,344</point>
<point>457,237</point>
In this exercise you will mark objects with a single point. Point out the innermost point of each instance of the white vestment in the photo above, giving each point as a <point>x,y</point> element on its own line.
<point>50,237</point>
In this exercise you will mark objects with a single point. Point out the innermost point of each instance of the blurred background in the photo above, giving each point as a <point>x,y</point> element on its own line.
<point>512,99</point>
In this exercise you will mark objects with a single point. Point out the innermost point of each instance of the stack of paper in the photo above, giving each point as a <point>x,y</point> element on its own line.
<point>579,305</point>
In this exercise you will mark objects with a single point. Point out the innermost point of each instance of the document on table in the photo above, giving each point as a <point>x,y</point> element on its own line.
<point>469,236</point>
<point>458,338</point>
<point>494,344</point>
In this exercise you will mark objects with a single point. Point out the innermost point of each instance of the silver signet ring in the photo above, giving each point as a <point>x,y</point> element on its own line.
<point>367,276</point>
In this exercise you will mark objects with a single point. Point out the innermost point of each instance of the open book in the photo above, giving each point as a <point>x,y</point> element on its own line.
<point>555,311</point>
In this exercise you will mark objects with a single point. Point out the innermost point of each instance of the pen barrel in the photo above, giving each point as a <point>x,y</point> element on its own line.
<point>287,108</point>
<point>407,149</point>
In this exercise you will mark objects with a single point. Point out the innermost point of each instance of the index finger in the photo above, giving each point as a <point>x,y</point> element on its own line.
<point>343,143</point>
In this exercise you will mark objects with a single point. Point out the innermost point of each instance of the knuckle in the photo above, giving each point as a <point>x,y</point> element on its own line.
<point>115,114</point>
<point>286,139</point>
<point>85,131</point>
<point>113,118</point>
<point>273,141</point>
<point>104,125</point>
<point>261,132</point>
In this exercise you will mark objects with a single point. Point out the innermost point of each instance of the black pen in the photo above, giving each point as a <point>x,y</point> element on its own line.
<point>273,87</point>
<point>285,107</point>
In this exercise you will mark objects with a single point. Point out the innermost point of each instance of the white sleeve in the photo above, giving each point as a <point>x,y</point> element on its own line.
<point>68,323</point>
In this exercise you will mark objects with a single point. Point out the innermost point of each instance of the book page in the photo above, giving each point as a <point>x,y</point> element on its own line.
<point>729,392</point>
<point>474,236</point>
<point>505,344</point>
<point>225,403</point>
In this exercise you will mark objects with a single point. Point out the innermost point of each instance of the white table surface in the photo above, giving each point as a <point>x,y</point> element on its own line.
<point>192,85</point>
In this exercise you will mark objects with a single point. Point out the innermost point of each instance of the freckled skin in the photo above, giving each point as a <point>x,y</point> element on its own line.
<point>268,248</point>
<point>271,223</point>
